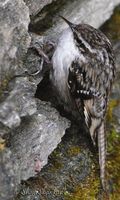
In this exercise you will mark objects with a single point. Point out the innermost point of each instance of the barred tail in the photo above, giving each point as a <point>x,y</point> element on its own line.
<point>102,153</point>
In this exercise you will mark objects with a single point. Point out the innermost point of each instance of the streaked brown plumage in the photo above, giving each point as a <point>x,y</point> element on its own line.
<point>83,72</point>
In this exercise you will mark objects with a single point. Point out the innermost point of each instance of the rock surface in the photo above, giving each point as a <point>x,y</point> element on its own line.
<point>30,144</point>
<point>68,165</point>
<point>14,37</point>
<point>93,12</point>
<point>14,42</point>
<point>30,130</point>
<point>8,182</point>
<point>36,138</point>
<point>36,6</point>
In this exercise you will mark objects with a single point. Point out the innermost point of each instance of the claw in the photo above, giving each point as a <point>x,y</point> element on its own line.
<point>36,72</point>
<point>41,53</point>
<point>43,56</point>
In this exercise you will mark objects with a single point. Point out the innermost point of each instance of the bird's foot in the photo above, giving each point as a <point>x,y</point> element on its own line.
<point>40,51</point>
<point>45,52</point>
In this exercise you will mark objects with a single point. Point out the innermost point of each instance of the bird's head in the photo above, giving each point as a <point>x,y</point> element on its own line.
<point>74,28</point>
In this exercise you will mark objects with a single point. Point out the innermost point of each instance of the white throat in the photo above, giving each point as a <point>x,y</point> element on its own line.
<point>66,50</point>
<point>65,53</point>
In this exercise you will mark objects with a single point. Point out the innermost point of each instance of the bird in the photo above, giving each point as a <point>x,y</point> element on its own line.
<point>82,75</point>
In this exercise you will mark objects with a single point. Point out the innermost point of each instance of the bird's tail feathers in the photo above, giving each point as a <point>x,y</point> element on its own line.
<point>102,153</point>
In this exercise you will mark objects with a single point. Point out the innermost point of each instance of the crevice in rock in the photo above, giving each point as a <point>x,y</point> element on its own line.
<point>45,92</point>
<point>46,17</point>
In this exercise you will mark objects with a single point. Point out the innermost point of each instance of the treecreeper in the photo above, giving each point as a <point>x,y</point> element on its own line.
<point>82,70</point>
<point>82,74</point>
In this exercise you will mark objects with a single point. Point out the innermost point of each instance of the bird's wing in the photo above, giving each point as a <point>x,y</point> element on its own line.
<point>84,88</point>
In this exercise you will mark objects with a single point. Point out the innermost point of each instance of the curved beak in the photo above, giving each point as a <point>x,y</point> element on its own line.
<point>71,25</point>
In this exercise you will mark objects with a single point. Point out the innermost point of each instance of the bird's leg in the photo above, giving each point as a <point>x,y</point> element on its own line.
<point>45,52</point>
<point>36,72</point>
<point>40,52</point>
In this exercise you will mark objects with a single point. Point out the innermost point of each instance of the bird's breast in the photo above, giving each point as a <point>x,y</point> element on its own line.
<point>65,53</point>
